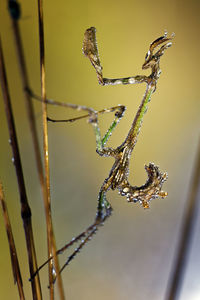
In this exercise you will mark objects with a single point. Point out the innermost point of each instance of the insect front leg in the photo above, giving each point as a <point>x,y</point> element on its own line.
<point>90,50</point>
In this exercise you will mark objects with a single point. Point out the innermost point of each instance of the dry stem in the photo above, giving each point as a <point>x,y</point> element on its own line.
<point>11,242</point>
<point>29,105</point>
<point>25,208</point>
<point>50,234</point>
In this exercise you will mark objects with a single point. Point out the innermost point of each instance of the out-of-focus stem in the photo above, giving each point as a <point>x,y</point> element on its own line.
<point>25,83</point>
<point>50,233</point>
<point>187,230</point>
<point>11,242</point>
<point>25,208</point>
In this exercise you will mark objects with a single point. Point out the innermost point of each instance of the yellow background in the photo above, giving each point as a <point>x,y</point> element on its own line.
<point>132,255</point>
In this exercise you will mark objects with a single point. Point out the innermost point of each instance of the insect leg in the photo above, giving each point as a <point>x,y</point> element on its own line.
<point>104,210</point>
<point>90,50</point>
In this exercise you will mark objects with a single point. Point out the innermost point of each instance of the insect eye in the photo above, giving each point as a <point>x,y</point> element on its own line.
<point>147,55</point>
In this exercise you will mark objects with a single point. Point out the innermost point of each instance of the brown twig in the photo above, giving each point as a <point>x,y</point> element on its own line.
<point>25,208</point>
<point>187,230</point>
<point>11,242</point>
<point>15,15</point>
<point>50,234</point>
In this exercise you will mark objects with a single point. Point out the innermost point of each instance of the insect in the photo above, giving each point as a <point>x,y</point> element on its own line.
<point>118,176</point>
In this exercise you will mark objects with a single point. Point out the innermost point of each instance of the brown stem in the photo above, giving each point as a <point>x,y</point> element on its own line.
<point>25,208</point>
<point>11,242</point>
<point>29,105</point>
<point>50,234</point>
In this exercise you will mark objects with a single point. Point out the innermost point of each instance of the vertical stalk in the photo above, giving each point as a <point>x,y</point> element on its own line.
<point>11,242</point>
<point>50,234</point>
<point>25,208</point>
<point>25,82</point>
<point>184,246</point>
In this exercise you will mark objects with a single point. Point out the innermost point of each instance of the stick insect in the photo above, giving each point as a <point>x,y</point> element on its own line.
<point>118,176</point>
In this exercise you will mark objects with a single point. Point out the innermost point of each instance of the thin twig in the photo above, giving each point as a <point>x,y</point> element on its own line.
<point>25,82</point>
<point>183,250</point>
<point>25,208</point>
<point>11,242</point>
<point>50,234</point>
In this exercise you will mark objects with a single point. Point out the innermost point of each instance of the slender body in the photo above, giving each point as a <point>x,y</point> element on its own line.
<point>118,176</point>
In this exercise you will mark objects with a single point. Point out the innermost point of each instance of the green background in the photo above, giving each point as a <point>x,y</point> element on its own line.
<point>132,255</point>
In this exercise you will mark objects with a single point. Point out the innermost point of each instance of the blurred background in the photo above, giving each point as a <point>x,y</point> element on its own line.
<point>132,255</point>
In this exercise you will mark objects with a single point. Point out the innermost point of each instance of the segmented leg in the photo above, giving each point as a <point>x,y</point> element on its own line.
<point>92,115</point>
<point>91,112</point>
<point>120,109</point>
<point>104,210</point>
<point>90,50</point>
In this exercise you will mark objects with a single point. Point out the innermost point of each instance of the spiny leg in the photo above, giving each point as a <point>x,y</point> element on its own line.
<point>90,50</point>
